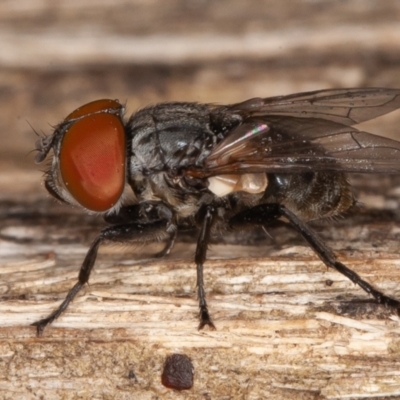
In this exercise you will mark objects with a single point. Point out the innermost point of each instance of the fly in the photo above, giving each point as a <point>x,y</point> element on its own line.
<point>183,165</point>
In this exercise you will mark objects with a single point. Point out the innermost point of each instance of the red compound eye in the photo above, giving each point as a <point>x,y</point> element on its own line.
<point>92,155</point>
<point>104,105</point>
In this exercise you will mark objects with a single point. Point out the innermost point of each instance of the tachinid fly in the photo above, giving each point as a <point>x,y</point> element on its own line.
<point>213,167</point>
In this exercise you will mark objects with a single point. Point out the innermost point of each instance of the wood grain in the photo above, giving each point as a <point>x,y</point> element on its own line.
<point>285,324</point>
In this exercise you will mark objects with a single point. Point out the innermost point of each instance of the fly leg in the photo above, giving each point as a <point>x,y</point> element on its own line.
<point>168,246</point>
<point>258,215</point>
<point>143,213</point>
<point>200,257</point>
<point>329,259</point>
<point>265,213</point>
<point>134,233</point>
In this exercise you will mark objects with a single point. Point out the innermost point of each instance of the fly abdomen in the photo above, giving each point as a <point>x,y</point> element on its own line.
<point>312,195</point>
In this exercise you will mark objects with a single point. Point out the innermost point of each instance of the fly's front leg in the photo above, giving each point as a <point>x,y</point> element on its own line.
<point>134,233</point>
<point>143,213</point>
<point>200,257</point>
<point>168,246</point>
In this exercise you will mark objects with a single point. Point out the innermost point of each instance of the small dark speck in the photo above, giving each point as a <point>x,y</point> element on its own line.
<point>328,282</point>
<point>178,372</point>
<point>131,375</point>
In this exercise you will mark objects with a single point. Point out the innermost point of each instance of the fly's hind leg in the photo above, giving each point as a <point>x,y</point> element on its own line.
<point>266,213</point>
<point>329,259</point>
<point>133,233</point>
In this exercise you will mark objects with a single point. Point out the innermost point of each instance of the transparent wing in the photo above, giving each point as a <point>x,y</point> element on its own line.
<point>345,106</point>
<point>293,145</point>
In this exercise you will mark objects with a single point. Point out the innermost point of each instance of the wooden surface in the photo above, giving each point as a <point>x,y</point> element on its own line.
<point>286,326</point>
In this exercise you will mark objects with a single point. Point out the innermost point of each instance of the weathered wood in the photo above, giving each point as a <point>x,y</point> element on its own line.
<point>285,324</point>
